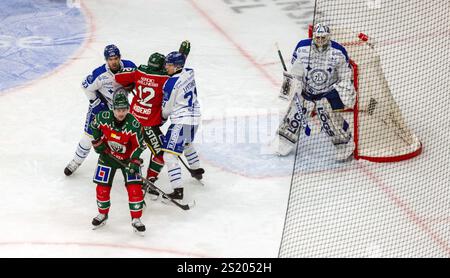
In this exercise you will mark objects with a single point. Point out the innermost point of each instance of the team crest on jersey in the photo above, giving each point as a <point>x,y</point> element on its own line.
<point>319,77</point>
<point>117,147</point>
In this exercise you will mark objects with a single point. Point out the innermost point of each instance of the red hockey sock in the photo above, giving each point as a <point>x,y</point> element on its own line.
<point>103,199</point>
<point>155,166</point>
<point>135,199</point>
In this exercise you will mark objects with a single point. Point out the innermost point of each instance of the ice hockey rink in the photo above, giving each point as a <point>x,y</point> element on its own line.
<point>240,211</point>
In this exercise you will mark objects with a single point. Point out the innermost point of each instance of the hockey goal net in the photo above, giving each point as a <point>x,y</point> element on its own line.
<point>380,132</point>
<point>399,51</point>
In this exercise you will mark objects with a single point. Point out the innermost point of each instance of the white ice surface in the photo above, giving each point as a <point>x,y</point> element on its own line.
<point>45,214</point>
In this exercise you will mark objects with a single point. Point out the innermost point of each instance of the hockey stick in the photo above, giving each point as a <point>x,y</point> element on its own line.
<point>191,171</point>
<point>149,183</point>
<point>281,57</point>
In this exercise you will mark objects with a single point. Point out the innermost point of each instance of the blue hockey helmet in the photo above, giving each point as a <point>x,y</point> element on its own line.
<point>111,51</point>
<point>176,58</point>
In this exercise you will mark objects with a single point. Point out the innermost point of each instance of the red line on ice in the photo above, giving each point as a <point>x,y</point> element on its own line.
<point>241,50</point>
<point>406,209</point>
<point>107,245</point>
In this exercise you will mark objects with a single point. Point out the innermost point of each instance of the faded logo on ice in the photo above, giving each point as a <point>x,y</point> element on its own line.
<point>31,44</point>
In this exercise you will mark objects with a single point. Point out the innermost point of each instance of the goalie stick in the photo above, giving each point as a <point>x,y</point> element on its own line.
<point>150,184</point>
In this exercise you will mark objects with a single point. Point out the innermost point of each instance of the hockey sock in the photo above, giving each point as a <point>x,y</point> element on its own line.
<point>83,149</point>
<point>174,170</point>
<point>135,200</point>
<point>103,199</point>
<point>155,166</point>
<point>192,157</point>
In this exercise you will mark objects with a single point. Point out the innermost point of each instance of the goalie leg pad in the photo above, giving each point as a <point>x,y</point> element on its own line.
<point>337,129</point>
<point>295,120</point>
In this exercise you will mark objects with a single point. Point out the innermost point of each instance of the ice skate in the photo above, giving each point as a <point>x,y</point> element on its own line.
<point>99,221</point>
<point>138,227</point>
<point>71,167</point>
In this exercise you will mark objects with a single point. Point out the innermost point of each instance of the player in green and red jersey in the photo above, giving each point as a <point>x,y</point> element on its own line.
<point>117,133</point>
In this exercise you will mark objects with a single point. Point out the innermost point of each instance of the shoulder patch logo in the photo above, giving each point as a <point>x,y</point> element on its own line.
<point>135,124</point>
<point>105,114</point>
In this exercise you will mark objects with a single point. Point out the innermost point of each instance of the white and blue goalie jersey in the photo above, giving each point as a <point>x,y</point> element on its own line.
<point>323,71</point>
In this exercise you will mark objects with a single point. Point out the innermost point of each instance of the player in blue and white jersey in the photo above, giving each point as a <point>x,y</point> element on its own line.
<point>181,107</point>
<point>99,88</point>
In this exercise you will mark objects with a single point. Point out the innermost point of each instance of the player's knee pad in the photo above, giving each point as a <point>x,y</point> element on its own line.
<point>135,192</point>
<point>103,191</point>
<point>170,159</point>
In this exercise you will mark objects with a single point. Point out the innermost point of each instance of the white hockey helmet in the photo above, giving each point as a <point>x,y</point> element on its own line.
<point>321,35</point>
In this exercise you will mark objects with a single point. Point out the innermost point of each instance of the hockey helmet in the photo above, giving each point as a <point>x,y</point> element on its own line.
<point>120,100</point>
<point>111,51</point>
<point>156,61</point>
<point>176,58</point>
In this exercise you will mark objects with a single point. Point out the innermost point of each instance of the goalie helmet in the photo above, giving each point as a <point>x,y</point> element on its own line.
<point>321,35</point>
<point>156,61</point>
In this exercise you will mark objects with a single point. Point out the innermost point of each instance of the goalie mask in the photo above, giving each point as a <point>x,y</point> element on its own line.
<point>321,36</point>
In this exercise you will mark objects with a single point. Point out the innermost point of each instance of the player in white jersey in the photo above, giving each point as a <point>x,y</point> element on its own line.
<point>99,88</point>
<point>321,80</point>
<point>181,106</point>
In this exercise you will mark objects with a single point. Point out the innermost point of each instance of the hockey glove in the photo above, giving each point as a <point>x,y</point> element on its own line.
<point>100,146</point>
<point>97,105</point>
<point>134,166</point>
<point>185,48</point>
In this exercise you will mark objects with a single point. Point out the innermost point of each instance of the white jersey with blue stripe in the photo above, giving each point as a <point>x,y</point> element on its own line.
<point>102,81</point>
<point>180,102</point>
<point>320,70</point>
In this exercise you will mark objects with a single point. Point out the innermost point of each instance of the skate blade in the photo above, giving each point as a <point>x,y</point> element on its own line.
<point>139,233</point>
<point>153,197</point>
<point>181,202</point>
<point>200,182</point>
<point>99,226</point>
